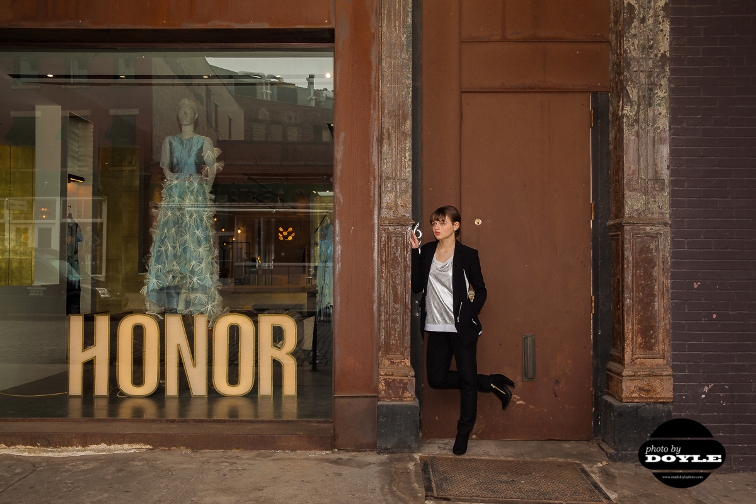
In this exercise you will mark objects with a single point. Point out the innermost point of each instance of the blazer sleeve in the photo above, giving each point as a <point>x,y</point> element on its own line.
<point>417,283</point>
<point>475,277</point>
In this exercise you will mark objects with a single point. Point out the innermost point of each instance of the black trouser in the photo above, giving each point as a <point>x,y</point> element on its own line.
<point>441,347</point>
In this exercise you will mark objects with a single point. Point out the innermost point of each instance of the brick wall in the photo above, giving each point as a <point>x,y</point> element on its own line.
<point>713,179</point>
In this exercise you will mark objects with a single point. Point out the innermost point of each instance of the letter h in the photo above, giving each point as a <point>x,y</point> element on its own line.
<point>99,352</point>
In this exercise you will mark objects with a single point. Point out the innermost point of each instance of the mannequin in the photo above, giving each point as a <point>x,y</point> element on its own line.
<point>182,274</point>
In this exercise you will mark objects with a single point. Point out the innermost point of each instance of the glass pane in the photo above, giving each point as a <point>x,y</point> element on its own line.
<point>154,187</point>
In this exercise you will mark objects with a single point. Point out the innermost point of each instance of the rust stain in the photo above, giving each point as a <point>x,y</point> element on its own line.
<point>640,367</point>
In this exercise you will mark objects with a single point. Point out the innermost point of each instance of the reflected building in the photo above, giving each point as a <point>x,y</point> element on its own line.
<point>81,181</point>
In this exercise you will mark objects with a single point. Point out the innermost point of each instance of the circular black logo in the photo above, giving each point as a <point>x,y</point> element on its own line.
<point>681,453</point>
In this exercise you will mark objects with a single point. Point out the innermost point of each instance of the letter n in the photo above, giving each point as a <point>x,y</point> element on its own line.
<point>176,343</point>
<point>78,355</point>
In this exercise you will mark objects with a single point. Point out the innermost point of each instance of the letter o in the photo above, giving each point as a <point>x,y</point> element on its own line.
<point>668,458</point>
<point>246,354</point>
<point>150,355</point>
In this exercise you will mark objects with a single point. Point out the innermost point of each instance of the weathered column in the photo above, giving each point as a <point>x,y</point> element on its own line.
<point>398,409</point>
<point>639,370</point>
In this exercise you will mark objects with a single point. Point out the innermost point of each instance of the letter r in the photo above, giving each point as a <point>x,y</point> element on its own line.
<point>270,351</point>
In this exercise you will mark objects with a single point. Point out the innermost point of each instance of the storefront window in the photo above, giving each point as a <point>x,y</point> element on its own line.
<point>160,209</point>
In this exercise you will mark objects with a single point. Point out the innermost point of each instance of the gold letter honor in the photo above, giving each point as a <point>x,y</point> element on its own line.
<point>194,360</point>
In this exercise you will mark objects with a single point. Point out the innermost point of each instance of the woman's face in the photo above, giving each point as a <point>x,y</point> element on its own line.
<point>443,228</point>
<point>186,115</point>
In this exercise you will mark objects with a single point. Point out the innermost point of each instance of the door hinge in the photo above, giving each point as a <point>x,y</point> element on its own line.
<point>593,211</point>
<point>593,305</point>
<point>591,118</point>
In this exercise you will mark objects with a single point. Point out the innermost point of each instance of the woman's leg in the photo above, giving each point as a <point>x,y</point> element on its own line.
<point>441,347</point>
<point>438,357</point>
<point>467,376</point>
<point>438,362</point>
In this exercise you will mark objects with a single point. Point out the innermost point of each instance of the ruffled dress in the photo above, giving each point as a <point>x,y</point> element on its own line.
<point>182,275</point>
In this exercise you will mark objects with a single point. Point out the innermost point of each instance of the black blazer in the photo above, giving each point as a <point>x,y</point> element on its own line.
<point>466,261</point>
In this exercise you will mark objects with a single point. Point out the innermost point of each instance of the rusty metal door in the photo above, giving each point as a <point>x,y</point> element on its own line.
<point>525,175</point>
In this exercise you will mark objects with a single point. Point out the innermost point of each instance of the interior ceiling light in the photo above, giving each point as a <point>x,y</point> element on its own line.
<point>285,235</point>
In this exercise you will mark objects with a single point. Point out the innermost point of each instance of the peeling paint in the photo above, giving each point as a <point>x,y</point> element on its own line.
<point>639,108</point>
<point>640,367</point>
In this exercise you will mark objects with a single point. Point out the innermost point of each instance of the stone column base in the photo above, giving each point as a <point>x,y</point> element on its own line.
<point>639,384</point>
<point>626,426</point>
<point>398,426</point>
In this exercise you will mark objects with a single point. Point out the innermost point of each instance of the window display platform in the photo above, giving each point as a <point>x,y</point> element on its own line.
<point>30,390</point>
<point>35,400</point>
<point>301,422</point>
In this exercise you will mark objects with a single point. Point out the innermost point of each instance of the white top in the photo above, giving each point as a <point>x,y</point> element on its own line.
<point>439,297</point>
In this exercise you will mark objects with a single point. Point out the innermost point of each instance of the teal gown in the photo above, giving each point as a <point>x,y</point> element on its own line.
<point>182,275</point>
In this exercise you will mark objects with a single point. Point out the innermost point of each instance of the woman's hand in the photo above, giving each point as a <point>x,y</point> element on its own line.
<point>413,241</point>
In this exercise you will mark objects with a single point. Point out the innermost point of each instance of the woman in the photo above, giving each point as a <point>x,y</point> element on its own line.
<point>182,275</point>
<point>448,273</point>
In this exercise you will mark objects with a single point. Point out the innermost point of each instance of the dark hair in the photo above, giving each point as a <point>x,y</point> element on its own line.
<point>444,212</point>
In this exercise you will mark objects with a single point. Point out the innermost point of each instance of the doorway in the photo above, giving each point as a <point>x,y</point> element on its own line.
<point>525,203</point>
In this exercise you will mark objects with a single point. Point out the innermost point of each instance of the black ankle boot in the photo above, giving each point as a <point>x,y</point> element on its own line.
<point>500,379</point>
<point>504,395</point>
<point>500,387</point>
<point>460,444</point>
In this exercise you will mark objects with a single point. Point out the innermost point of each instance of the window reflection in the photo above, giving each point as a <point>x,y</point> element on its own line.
<point>83,180</point>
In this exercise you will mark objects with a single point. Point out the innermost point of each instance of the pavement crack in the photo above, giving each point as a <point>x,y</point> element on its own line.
<point>33,469</point>
<point>403,480</point>
<point>190,484</point>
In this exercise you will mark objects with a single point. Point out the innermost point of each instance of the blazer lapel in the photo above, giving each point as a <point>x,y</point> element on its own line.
<point>457,277</point>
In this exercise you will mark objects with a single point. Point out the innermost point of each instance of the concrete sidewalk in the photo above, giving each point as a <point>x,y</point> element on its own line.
<point>143,475</point>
